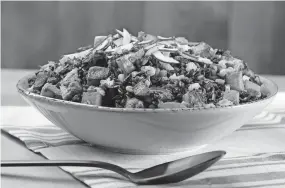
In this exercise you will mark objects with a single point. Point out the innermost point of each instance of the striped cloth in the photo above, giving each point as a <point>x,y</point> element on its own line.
<point>255,153</point>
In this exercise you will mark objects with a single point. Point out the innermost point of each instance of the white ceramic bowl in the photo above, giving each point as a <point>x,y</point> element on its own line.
<point>148,131</point>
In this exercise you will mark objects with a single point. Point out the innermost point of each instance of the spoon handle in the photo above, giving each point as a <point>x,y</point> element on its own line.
<point>97,164</point>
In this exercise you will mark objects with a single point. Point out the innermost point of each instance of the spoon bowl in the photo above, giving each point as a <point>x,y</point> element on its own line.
<point>170,172</point>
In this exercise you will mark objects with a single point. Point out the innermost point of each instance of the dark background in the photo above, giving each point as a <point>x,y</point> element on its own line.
<point>35,32</point>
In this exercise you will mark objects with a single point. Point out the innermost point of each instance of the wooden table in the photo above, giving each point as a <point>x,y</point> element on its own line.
<point>14,150</point>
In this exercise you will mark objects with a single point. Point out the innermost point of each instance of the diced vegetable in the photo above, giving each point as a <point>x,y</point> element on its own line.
<point>93,98</point>
<point>234,79</point>
<point>252,88</point>
<point>232,96</point>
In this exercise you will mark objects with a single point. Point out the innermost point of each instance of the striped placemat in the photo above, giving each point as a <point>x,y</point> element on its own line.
<point>255,153</point>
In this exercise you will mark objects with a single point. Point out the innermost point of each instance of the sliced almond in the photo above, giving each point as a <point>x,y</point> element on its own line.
<point>167,42</point>
<point>126,37</point>
<point>205,60</point>
<point>104,43</point>
<point>181,40</point>
<point>183,47</point>
<point>168,49</point>
<point>150,46</point>
<point>165,38</point>
<point>188,56</point>
<point>149,37</point>
<point>98,40</point>
<point>119,32</point>
<point>193,43</point>
<point>153,49</point>
<point>145,42</point>
<point>79,55</point>
<point>158,55</point>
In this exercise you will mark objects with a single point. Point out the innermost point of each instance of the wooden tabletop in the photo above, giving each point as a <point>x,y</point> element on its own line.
<point>13,149</point>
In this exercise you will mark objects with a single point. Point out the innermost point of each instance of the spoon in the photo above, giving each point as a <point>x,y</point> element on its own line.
<point>170,172</point>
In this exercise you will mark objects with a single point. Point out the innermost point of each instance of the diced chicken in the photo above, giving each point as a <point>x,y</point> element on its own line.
<point>164,94</point>
<point>163,73</point>
<point>193,99</point>
<point>92,97</point>
<point>41,79</point>
<point>181,40</point>
<point>52,91</point>
<point>70,85</point>
<point>48,67</point>
<point>265,90</point>
<point>220,81</point>
<point>191,66</point>
<point>232,96</point>
<point>71,76</point>
<point>166,66</point>
<point>234,79</point>
<point>70,89</point>
<point>95,74</point>
<point>141,88</point>
<point>134,103</point>
<point>125,64</point>
<point>149,70</point>
<point>248,73</point>
<point>54,78</point>
<point>252,88</point>
<point>194,86</point>
<point>96,89</point>
<point>32,80</point>
<point>203,50</point>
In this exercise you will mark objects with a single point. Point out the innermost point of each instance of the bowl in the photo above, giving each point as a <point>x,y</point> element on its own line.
<point>146,131</point>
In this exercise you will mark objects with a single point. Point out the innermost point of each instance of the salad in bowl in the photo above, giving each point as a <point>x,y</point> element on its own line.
<point>147,71</point>
<point>148,94</point>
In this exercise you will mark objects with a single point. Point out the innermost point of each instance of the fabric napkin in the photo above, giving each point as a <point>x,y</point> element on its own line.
<point>255,153</point>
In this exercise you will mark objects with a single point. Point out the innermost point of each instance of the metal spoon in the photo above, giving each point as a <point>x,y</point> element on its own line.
<point>169,172</point>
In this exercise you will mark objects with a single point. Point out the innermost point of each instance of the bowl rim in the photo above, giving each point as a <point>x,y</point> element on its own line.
<point>34,96</point>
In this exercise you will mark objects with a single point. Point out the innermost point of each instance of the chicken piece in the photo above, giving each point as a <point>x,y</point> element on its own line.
<point>70,85</point>
<point>48,67</point>
<point>141,88</point>
<point>126,64</point>
<point>68,91</point>
<point>164,94</point>
<point>234,79</point>
<point>203,50</point>
<point>52,91</point>
<point>95,74</point>
<point>72,76</point>
<point>252,88</point>
<point>193,98</point>
<point>92,97</point>
<point>232,96</point>
<point>54,78</point>
<point>134,103</point>
<point>224,103</point>
<point>41,79</point>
